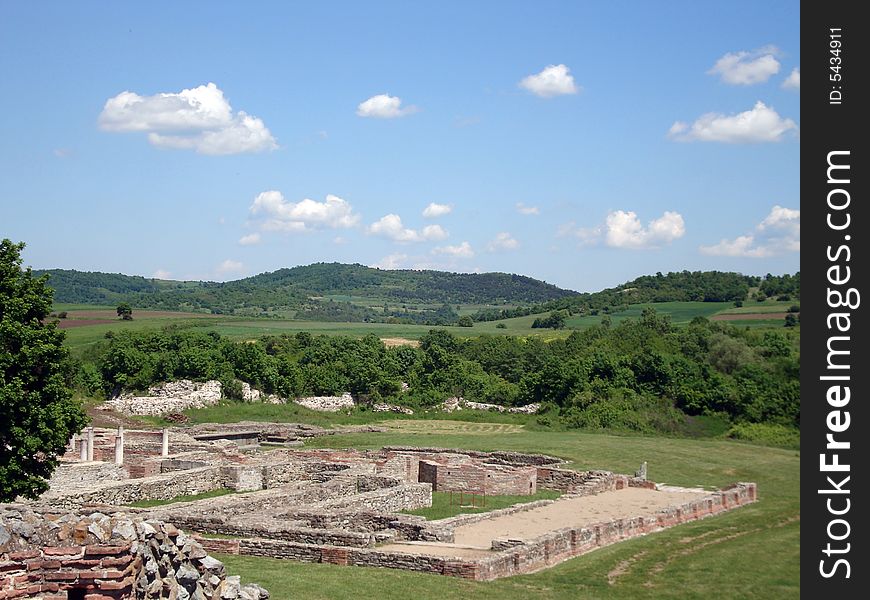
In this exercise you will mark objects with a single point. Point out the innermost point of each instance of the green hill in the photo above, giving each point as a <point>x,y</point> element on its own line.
<point>313,292</point>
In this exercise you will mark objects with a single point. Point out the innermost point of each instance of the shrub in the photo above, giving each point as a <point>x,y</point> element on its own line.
<point>767,434</point>
<point>501,326</point>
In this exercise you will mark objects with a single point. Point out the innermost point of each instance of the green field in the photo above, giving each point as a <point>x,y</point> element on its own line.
<point>752,552</point>
<point>244,328</point>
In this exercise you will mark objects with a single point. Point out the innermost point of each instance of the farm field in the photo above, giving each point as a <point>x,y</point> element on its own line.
<point>752,552</point>
<point>86,325</point>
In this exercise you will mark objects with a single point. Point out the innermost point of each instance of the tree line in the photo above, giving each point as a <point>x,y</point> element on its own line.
<point>643,374</point>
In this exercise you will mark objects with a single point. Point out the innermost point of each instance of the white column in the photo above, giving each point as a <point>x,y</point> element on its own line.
<point>90,443</point>
<point>83,450</point>
<point>72,443</point>
<point>165,450</point>
<point>119,447</point>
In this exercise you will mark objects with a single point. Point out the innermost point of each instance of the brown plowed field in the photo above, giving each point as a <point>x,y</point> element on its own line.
<point>751,316</point>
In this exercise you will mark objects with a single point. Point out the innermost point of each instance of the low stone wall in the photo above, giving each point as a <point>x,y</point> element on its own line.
<point>506,458</point>
<point>393,499</point>
<point>72,475</point>
<point>508,557</point>
<point>479,478</point>
<point>158,487</point>
<point>98,557</point>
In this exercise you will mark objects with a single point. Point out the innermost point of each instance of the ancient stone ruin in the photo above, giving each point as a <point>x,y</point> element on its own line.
<point>332,506</point>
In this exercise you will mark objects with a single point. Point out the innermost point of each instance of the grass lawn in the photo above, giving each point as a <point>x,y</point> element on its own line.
<point>752,552</point>
<point>183,498</point>
<point>445,505</point>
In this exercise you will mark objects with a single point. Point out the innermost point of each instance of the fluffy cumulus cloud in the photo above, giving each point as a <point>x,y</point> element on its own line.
<point>793,81</point>
<point>391,262</point>
<point>747,68</point>
<point>251,239</point>
<point>391,227</point>
<point>463,250</point>
<point>275,213</point>
<point>230,266</point>
<point>623,229</point>
<point>778,233</point>
<point>435,210</point>
<point>759,124</point>
<point>554,80</point>
<point>527,210</point>
<point>197,119</point>
<point>384,106</point>
<point>503,241</point>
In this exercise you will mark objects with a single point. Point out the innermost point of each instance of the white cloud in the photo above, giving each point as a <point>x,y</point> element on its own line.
<point>743,246</point>
<point>527,210</point>
<point>437,210</point>
<point>503,241</point>
<point>779,232</point>
<point>161,274</point>
<point>278,214</point>
<point>782,219</point>
<point>62,152</point>
<point>391,227</point>
<point>230,266</point>
<point>747,68</point>
<point>391,262</point>
<point>623,229</point>
<point>339,240</point>
<point>250,240</point>
<point>586,236</point>
<point>463,250</point>
<point>759,124</point>
<point>384,106</point>
<point>198,119</point>
<point>554,80</point>
<point>793,81</point>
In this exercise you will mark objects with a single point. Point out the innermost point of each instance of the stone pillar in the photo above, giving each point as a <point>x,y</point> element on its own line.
<point>90,443</point>
<point>165,449</point>
<point>72,443</point>
<point>119,447</point>
<point>83,450</point>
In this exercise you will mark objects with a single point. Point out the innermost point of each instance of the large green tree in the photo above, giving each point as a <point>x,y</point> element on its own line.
<point>38,413</point>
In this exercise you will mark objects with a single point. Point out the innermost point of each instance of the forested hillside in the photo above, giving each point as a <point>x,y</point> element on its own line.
<point>306,290</point>
<point>683,286</point>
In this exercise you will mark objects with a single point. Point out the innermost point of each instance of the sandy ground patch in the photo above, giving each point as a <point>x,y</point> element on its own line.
<point>392,342</point>
<point>570,512</point>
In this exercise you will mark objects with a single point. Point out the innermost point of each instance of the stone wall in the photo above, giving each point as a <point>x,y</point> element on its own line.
<point>479,478</point>
<point>59,556</point>
<point>74,475</point>
<point>508,557</point>
<point>158,487</point>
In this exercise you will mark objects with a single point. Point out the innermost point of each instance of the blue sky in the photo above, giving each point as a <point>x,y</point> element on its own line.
<point>583,143</point>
